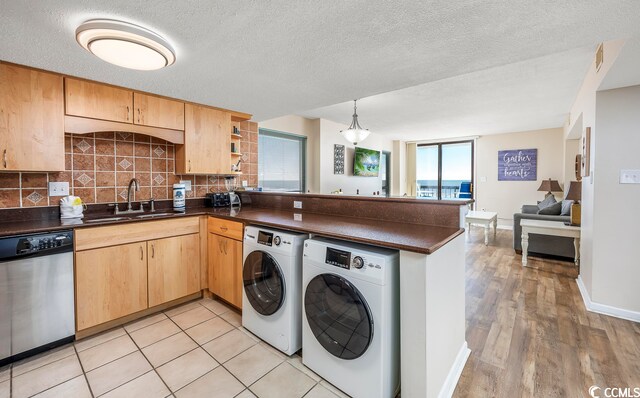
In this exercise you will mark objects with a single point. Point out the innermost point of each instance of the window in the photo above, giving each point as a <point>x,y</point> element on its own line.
<point>281,161</point>
<point>445,170</point>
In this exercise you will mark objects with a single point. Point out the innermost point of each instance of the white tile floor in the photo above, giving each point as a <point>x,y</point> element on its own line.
<point>198,349</point>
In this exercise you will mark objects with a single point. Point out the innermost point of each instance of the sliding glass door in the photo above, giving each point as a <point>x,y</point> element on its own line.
<point>445,170</point>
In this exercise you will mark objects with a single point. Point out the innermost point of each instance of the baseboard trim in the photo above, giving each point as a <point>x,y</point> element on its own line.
<point>451,381</point>
<point>506,227</point>
<point>604,309</point>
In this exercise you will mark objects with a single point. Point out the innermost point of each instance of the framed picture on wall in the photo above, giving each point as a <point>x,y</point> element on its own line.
<point>338,159</point>
<point>586,153</point>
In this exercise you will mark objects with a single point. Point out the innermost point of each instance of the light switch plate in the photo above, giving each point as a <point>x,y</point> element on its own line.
<point>629,176</point>
<point>297,217</point>
<point>297,204</point>
<point>187,184</point>
<point>58,189</point>
<point>245,183</point>
<point>483,179</point>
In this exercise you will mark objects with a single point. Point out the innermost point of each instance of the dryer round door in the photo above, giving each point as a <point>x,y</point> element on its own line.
<point>263,282</point>
<point>338,316</point>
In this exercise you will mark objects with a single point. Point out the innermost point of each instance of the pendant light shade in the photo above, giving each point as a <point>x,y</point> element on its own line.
<point>124,44</point>
<point>355,133</point>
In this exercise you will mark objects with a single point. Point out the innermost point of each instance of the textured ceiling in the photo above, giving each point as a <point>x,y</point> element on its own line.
<point>527,95</point>
<point>272,58</point>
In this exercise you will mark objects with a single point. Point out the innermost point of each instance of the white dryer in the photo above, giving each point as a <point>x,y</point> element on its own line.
<point>272,277</point>
<point>351,316</point>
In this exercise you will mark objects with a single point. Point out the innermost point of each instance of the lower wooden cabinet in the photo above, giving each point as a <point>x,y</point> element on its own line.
<point>116,278</point>
<point>174,268</point>
<point>225,268</point>
<point>111,282</point>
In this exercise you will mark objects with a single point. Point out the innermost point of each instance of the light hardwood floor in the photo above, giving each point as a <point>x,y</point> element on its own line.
<point>530,333</point>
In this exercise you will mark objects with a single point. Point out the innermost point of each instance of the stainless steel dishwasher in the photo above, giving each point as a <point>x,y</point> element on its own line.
<point>36,293</point>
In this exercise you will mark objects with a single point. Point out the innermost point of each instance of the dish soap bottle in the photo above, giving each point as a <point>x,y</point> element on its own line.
<point>179,198</point>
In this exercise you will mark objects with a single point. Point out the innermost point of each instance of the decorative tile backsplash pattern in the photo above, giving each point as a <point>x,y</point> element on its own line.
<point>99,167</point>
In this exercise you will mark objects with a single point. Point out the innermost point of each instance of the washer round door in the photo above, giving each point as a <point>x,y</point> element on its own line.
<point>263,282</point>
<point>338,316</point>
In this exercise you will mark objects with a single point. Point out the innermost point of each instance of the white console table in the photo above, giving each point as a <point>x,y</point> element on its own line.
<point>484,218</point>
<point>555,228</point>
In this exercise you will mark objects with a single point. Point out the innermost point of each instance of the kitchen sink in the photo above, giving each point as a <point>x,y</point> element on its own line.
<point>107,219</point>
<point>155,215</point>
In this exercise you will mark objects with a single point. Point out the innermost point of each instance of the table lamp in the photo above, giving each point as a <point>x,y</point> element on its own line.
<point>575,194</point>
<point>550,186</point>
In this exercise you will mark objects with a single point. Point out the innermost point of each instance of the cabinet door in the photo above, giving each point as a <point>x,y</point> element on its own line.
<point>31,120</point>
<point>98,101</point>
<point>174,268</point>
<point>225,268</point>
<point>154,111</point>
<point>111,282</point>
<point>207,142</point>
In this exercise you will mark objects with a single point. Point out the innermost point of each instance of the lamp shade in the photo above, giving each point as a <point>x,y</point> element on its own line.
<point>575,191</point>
<point>550,186</point>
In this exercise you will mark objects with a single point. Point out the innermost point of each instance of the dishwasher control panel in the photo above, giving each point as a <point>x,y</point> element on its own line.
<point>37,243</point>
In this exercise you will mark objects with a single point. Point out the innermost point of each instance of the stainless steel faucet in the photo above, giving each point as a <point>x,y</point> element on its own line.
<point>133,182</point>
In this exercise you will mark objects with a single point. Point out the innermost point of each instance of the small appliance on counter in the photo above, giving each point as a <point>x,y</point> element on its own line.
<point>218,200</point>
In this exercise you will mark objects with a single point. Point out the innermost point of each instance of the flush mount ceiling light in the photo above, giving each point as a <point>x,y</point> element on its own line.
<point>125,44</point>
<point>355,133</point>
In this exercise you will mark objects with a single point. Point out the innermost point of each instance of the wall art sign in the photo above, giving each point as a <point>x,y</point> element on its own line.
<point>338,159</point>
<point>586,153</point>
<point>518,165</point>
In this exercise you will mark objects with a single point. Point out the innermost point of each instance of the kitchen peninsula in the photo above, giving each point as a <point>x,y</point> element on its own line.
<point>427,234</point>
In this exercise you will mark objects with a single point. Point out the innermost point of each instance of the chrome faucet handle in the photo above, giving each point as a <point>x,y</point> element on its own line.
<point>115,206</point>
<point>153,202</point>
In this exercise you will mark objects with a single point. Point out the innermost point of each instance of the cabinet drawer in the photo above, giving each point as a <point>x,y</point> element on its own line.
<point>230,229</point>
<point>91,238</point>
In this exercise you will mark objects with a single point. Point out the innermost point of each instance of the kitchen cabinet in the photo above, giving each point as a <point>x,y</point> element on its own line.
<point>174,268</point>
<point>31,120</point>
<point>225,260</point>
<point>124,269</point>
<point>207,142</point>
<point>98,101</point>
<point>111,282</point>
<point>153,111</point>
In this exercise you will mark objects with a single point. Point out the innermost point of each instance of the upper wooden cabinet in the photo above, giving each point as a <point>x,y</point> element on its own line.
<point>98,101</point>
<point>153,111</point>
<point>207,142</point>
<point>31,120</point>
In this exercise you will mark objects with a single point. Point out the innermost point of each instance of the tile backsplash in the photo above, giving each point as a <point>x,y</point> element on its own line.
<point>99,167</point>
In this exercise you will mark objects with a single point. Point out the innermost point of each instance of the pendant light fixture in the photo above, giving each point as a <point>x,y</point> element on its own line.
<point>124,44</point>
<point>355,133</point>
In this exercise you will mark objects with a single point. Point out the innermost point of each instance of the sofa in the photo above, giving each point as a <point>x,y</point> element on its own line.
<point>541,244</point>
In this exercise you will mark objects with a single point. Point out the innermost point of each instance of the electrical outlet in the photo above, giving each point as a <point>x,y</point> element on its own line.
<point>58,188</point>
<point>245,183</point>
<point>297,204</point>
<point>297,217</point>
<point>629,176</point>
<point>483,179</point>
<point>187,184</point>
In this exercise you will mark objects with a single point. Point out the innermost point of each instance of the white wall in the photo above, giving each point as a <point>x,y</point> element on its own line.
<point>350,184</point>
<point>615,143</point>
<point>507,197</point>
<point>321,135</point>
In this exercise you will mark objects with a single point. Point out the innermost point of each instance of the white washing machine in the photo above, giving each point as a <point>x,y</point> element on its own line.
<point>351,316</point>
<point>272,293</point>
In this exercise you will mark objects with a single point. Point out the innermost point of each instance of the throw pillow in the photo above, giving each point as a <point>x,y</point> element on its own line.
<point>566,207</point>
<point>553,210</point>
<point>548,201</point>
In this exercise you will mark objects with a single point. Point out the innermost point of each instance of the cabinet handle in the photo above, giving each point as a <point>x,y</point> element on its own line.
<point>141,253</point>
<point>224,229</point>
<point>127,113</point>
<point>4,158</point>
<point>189,163</point>
<point>220,247</point>
<point>138,115</point>
<point>153,250</point>
<point>224,246</point>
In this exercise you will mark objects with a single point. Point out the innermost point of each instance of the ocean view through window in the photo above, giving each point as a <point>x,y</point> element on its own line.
<point>444,170</point>
<point>281,161</point>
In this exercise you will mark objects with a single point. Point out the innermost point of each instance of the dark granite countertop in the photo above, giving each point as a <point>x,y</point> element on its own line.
<point>403,236</point>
